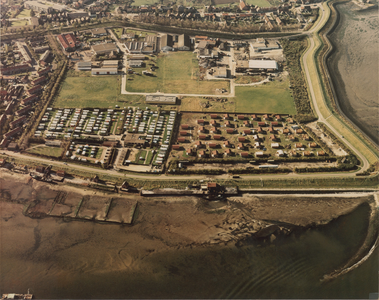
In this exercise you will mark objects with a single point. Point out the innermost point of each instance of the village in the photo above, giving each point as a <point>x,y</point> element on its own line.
<point>158,133</point>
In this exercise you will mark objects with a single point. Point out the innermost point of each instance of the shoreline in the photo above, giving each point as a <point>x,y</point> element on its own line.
<point>351,105</point>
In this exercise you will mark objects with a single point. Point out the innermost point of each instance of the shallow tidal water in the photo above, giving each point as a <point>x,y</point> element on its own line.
<point>74,260</point>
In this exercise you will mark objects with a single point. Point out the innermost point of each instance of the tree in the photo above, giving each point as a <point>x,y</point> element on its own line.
<point>32,13</point>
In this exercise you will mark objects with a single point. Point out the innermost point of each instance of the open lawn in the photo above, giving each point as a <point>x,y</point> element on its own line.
<point>202,104</point>
<point>143,2</point>
<point>177,73</point>
<point>20,23</point>
<point>48,151</point>
<point>24,14</point>
<point>260,3</point>
<point>118,32</point>
<point>99,91</point>
<point>274,97</point>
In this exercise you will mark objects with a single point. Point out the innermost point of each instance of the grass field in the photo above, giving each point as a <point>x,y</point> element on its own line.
<point>177,73</point>
<point>20,23</point>
<point>99,91</point>
<point>24,14</point>
<point>49,151</point>
<point>274,97</point>
<point>143,2</point>
<point>260,3</point>
<point>118,32</point>
<point>197,104</point>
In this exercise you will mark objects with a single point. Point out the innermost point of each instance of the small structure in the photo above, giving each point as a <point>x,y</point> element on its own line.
<point>84,65</point>
<point>152,99</point>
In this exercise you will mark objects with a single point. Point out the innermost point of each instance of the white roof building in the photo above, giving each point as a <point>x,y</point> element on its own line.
<point>263,64</point>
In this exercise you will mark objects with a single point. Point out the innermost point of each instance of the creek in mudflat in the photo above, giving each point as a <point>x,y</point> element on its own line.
<point>353,66</point>
<point>167,254</point>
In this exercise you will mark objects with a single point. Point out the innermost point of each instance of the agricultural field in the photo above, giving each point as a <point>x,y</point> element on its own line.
<point>274,97</point>
<point>99,91</point>
<point>177,73</point>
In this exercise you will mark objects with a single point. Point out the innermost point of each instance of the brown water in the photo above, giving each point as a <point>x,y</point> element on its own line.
<point>354,66</point>
<point>57,259</point>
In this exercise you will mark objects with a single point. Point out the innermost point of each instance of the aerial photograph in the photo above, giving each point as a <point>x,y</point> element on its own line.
<point>189,149</point>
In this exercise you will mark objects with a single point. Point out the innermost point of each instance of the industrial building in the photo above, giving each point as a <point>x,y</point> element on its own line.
<point>84,66</point>
<point>261,44</point>
<point>269,65</point>
<point>152,99</point>
<point>104,71</point>
<point>135,63</point>
<point>104,48</point>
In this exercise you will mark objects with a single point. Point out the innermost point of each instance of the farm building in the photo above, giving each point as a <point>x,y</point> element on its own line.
<point>203,137</point>
<point>104,71</point>
<point>228,152</point>
<point>84,65</point>
<point>202,154</point>
<point>150,99</point>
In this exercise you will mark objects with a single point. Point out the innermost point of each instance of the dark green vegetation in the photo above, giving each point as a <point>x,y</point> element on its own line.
<point>293,50</point>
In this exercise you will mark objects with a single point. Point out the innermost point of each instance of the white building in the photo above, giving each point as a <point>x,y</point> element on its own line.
<point>104,71</point>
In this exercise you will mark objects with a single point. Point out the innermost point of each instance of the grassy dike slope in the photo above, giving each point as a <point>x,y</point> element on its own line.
<point>343,129</point>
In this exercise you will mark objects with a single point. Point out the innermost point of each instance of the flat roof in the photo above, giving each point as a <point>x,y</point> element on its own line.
<point>161,99</point>
<point>84,64</point>
<point>263,64</point>
<point>104,47</point>
<point>104,70</point>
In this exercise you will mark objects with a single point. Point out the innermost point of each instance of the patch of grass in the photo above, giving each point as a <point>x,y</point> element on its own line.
<point>24,14</point>
<point>248,79</point>
<point>48,151</point>
<point>199,104</point>
<point>274,97</point>
<point>143,2</point>
<point>260,3</point>
<point>118,32</point>
<point>177,73</point>
<point>99,91</point>
<point>20,23</point>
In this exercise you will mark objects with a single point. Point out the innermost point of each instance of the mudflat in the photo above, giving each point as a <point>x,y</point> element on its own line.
<point>171,238</point>
<point>354,66</point>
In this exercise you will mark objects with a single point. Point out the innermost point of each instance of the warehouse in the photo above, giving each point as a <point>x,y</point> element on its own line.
<point>104,71</point>
<point>150,99</point>
<point>104,48</point>
<point>135,63</point>
<point>269,65</point>
<point>110,64</point>
<point>84,66</point>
